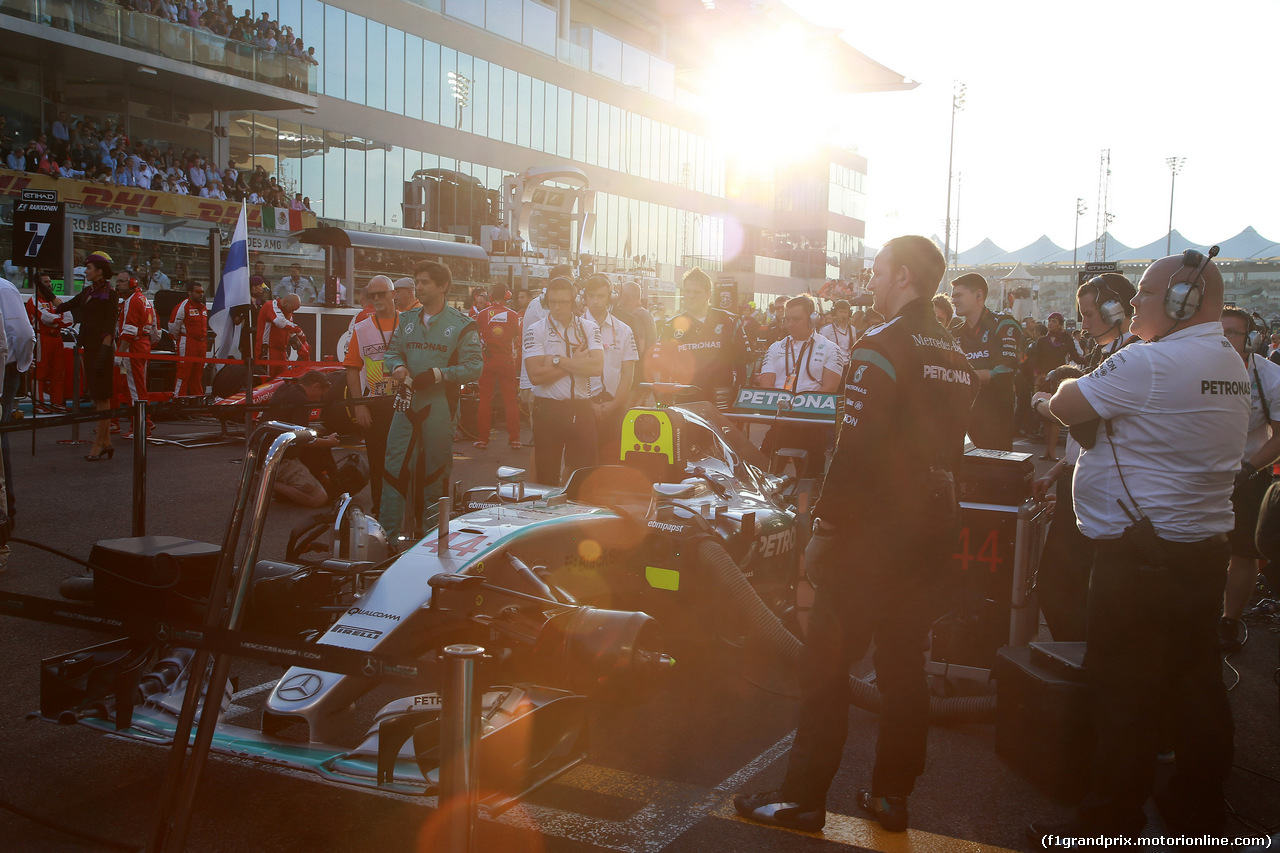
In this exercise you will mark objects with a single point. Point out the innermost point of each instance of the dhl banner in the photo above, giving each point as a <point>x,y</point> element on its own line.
<point>132,200</point>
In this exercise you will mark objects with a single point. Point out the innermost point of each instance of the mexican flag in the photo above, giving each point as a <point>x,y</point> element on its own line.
<point>281,219</point>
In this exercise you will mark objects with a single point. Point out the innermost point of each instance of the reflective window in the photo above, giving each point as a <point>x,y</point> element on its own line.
<point>448,103</point>
<point>480,107</point>
<point>495,101</point>
<point>355,58</point>
<point>312,34</point>
<point>537,115</point>
<point>289,148</point>
<point>551,119</point>
<point>431,82</point>
<point>616,142</point>
<point>375,185</point>
<point>524,105</point>
<point>579,149</point>
<point>355,178</point>
<point>503,18</point>
<point>564,129</point>
<point>466,88</point>
<point>312,183</point>
<point>593,131</point>
<point>412,76</point>
<point>395,71</point>
<point>335,171</point>
<point>334,64</point>
<point>376,68</point>
<point>510,110</point>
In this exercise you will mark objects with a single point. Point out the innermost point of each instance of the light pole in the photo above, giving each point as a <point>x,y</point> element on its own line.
<point>1175,165</point>
<point>957,104</point>
<point>461,88</point>
<point>1081,207</point>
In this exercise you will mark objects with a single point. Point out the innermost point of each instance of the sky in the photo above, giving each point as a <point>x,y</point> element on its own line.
<point>1048,87</point>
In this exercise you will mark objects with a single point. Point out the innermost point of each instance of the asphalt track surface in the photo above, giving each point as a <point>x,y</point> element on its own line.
<point>659,776</point>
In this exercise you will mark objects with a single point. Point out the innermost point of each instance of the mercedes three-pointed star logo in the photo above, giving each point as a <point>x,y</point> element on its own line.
<point>299,687</point>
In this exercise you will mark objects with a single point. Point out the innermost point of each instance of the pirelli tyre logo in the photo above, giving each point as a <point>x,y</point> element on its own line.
<point>353,631</point>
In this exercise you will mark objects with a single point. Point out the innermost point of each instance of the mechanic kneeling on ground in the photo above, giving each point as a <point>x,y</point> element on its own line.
<point>884,528</point>
<point>308,473</point>
<point>562,354</point>
<point>1162,425</point>
<point>802,362</point>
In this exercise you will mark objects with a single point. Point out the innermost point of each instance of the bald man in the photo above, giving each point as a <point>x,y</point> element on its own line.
<point>1163,425</point>
<point>275,328</point>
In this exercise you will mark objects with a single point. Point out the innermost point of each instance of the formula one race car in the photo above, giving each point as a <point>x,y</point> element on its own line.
<point>560,585</point>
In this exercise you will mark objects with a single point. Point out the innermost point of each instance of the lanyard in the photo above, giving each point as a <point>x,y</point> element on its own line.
<point>806,355</point>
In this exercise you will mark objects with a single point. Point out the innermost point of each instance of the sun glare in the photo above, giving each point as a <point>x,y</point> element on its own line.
<point>765,96</point>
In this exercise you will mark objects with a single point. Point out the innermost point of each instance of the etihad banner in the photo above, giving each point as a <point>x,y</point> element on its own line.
<point>132,200</point>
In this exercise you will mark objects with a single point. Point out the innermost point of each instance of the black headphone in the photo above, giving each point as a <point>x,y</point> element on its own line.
<point>1182,300</point>
<point>1109,303</point>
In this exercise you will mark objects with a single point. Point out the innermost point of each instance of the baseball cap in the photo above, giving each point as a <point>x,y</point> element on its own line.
<point>405,283</point>
<point>1056,315</point>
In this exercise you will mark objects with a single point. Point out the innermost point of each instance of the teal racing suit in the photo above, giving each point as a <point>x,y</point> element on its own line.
<point>420,442</point>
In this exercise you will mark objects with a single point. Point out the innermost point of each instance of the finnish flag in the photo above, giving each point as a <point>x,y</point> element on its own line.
<point>234,290</point>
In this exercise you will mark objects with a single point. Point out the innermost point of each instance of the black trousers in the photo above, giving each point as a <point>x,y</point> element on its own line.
<point>375,443</point>
<point>562,429</point>
<point>890,592</point>
<point>991,421</point>
<point>1062,581</point>
<point>1153,654</point>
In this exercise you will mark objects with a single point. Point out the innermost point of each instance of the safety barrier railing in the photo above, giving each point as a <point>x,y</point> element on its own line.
<point>141,31</point>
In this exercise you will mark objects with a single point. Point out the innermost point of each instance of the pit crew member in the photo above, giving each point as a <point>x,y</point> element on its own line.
<point>1248,337</point>
<point>367,377</point>
<point>562,353</point>
<point>134,325</point>
<point>499,327</point>
<point>803,361</point>
<point>611,392</point>
<point>433,351</point>
<point>189,326</point>
<point>990,341</point>
<point>908,393</point>
<point>51,371</point>
<point>275,328</point>
<point>702,346</point>
<point>1152,491</point>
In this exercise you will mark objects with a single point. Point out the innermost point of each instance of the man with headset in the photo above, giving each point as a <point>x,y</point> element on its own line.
<point>802,362</point>
<point>1162,424</point>
<point>1062,581</point>
<point>702,346</point>
<point>1248,335</point>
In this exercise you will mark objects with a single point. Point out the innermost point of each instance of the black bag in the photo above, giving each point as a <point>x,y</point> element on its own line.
<point>1267,534</point>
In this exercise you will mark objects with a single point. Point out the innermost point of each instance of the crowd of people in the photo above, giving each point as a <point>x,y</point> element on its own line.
<point>1158,371</point>
<point>82,150</point>
<point>1148,562</point>
<point>219,18</point>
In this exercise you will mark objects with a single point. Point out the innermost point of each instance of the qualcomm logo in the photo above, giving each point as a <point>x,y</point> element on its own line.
<point>299,687</point>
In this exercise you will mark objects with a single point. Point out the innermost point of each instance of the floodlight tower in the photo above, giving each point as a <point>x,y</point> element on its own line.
<point>957,104</point>
<point>1104,200</point>
<point>1175,165</point>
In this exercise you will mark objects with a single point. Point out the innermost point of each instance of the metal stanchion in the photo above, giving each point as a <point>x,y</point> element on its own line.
<point>75,396</point>
<point>140,468</point>
<point>459,740</point>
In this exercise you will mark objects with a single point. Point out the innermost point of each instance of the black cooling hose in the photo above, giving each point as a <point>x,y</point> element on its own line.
<point>743,597</point>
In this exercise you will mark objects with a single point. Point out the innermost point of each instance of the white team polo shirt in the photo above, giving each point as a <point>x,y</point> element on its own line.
<point>1264,376</point>
<point>843,340</point>
<point>619,344</point>
<point>546,337</point>
<point>534,312</point>
<point>798,365</point>
<point>1179,410</point>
